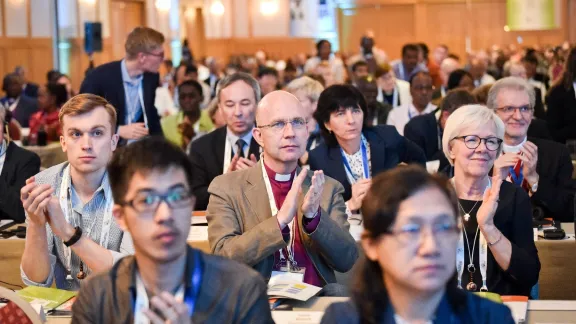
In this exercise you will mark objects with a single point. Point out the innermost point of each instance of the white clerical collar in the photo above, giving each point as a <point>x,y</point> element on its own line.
<point>512,149</point>
<point>277,176</point>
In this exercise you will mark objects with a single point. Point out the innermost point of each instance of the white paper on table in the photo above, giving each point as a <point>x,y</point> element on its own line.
<point>293,290</point>
<point>285,317</point>
<point>198,233</point>
<point>5,222</point>
<point>432,166</point>
<point>199,220</point>
<point>519,310</point>
<point>552,305</point>
<point>356,231</point>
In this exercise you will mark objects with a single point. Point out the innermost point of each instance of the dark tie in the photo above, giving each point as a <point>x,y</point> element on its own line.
<point>240,147</point>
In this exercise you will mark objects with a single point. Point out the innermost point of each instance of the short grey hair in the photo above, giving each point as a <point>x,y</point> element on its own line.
<point>510,83</point>
<point>470,116</point>
<point>240,76</point>
<point>311,88</point>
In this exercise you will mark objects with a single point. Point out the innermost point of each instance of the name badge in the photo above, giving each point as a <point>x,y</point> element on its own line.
<point>287,275</point>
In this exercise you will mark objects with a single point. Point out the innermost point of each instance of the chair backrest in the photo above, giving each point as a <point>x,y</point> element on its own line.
<point>17,307</point>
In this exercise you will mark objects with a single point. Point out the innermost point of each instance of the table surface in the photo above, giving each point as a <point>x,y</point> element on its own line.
<point>538,311</point>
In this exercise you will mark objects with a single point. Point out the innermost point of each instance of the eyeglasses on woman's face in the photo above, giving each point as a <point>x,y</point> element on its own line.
<point>473,142</point>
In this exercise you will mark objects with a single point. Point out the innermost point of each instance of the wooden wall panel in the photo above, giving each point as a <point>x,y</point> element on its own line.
<point>446,25</point>
<point>35,54</point>
<point>277,47</point>
<point>392,24</point>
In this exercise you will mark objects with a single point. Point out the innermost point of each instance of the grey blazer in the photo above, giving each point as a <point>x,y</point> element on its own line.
<point>241,225</point>
<point>229,293</point>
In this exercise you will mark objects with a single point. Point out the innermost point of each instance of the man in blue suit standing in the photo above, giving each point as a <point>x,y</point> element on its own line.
<point>130,84</point>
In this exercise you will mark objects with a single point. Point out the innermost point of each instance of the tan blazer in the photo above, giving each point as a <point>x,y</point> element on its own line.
<point>241,226</point>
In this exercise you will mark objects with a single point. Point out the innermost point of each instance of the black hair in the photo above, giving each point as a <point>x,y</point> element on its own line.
<point>191,68</point>
<point>530,58</point>
<point>58,91</point>
<point>455,99</point>
<point>51,75</point>
<point>9,79</point>
<point>379,210</point>
<point>332,99</point>
<point>319,44</point>
<point>358,64</point>
<point>425,50</point>
<point>192,83</point>
<point>413,77</point>
<point>409,47</point>
<point>267,71</point>
<point>455,78</point>
<point>148,154</point>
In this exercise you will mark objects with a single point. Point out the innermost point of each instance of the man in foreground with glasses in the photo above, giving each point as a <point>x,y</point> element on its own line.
<point>130,84</point>
<point>275,217</point>
<point>166,281</point>
<point>543,168</point>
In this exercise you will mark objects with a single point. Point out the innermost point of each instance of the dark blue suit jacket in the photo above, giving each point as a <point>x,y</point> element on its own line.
<point>423,131</point>
<point>475,310</point>
<point>387,150</point>
<point>106,81</point>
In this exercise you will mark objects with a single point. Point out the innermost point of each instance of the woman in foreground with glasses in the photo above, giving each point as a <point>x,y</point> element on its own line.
<point>352,153</point>
<point>496,252</point>
<point>411,230</point>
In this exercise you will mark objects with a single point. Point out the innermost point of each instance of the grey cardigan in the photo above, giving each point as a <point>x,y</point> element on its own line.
<point>229,293</point>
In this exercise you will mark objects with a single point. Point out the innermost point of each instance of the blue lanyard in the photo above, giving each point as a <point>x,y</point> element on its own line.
<point>190,297</point>
<point>517,180</point>
<point>364,162</point>
<point>409,114</point>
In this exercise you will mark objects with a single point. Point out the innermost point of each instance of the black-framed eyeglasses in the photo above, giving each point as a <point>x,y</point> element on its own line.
<point>413,232</point>
<point>473,141</point>
<point>278,126</point>
<point>148,202</point>
<point>509,110</point>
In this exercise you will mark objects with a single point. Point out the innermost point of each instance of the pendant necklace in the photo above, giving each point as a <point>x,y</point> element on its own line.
<point>471,286</point>
<point>466,214</point>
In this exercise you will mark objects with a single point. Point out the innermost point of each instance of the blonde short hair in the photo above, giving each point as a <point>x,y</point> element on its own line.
<point>474,116</point>
<point>142,40</point>
<point>311,88</point>
<point>85,103</point>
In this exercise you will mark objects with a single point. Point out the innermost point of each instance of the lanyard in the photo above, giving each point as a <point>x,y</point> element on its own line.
<point>142,301</point>
<point>227,154</point>
<point>3,149</point>
<point>133,106</point>
<point>483,254</point>
<point>65,205</point>
<point>351,178</point>
<point>274,210</point>
<point>395,102</point>
<point>401,71</point>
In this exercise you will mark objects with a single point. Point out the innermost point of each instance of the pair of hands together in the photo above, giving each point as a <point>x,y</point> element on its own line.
<point>502,165</point>
<point>43,207</point>
<point>311,202</point>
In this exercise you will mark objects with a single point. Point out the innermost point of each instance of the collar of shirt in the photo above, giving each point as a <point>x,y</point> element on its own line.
<point>126,77</point>
<point>77,203</point>
<point>414,112</point>
<point>3,149</point>
<point>574,86</point>
<point>232,138</point>
<point>512,149</point>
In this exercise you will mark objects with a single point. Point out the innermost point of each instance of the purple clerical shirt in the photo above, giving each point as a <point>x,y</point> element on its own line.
<point>280,189</point>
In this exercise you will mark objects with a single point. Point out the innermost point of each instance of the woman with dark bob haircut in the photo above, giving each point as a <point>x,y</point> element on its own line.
<point>353,153</point>
<point>411,231</point>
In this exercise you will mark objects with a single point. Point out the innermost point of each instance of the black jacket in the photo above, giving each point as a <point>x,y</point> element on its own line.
<point>387,150</point>
<point>25,108</point>
<point>555,194</point>
<point>31,90</point>
<point>207,156</point>
<point>106,81</point>
<point>19,165</point>
<point>424,131</point>
<point>561,112</point>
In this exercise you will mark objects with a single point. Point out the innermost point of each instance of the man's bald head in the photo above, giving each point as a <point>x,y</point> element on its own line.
<point>276,100</point>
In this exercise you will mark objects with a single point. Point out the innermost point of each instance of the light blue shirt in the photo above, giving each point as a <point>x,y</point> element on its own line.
<point>232,138</point>
<point>131,86</point>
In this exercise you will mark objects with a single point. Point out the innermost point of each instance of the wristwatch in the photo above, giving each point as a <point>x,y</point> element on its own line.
<point>534,187</point>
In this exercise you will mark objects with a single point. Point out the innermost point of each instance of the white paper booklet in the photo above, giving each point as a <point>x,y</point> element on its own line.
<point>292,290</point>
